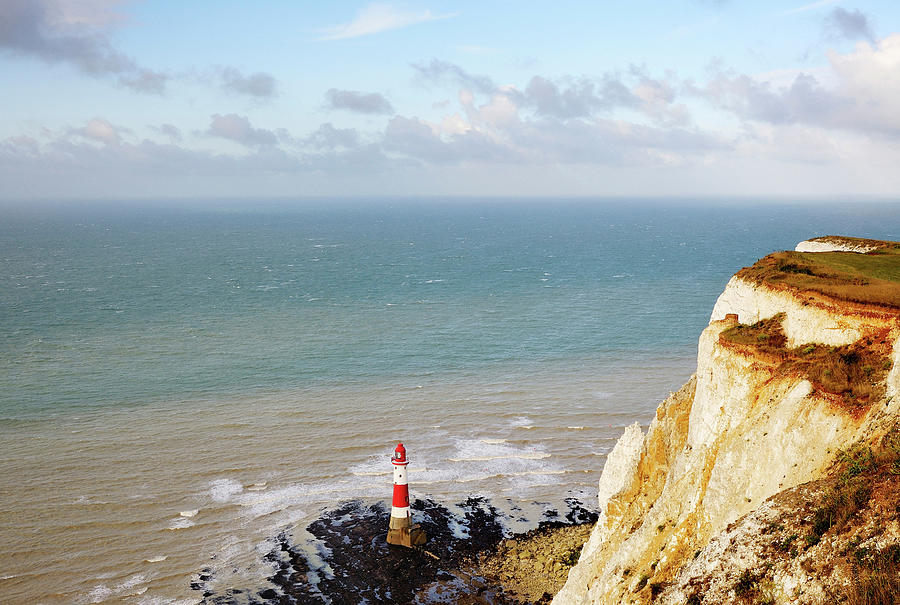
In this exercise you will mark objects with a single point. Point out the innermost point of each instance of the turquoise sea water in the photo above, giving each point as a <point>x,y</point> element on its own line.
<point>104,306</point>
<point>181,382</point>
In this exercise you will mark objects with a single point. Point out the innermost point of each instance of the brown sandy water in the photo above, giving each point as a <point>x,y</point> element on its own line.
<point>130,504</point>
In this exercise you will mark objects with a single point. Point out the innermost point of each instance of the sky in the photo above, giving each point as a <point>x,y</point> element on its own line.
<point>157,99</point>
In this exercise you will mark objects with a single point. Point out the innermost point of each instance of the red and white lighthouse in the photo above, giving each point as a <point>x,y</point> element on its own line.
<point>401,530</point>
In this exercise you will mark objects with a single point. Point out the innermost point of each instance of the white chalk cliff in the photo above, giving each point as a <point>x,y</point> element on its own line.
<point>736,434</point>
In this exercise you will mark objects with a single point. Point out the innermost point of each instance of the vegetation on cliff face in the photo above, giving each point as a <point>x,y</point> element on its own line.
<point>870,278</point>
<point>837,538</point>
<point>853,375</point>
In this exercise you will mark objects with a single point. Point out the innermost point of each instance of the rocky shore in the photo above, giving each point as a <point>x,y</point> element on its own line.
<point>468,559</point>
<point>532,567</point>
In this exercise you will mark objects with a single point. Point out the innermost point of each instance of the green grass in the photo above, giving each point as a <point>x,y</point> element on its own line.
<point>872,278</point>
<point>747,585</point>
<point>876,580</point>
<point>859,469</point>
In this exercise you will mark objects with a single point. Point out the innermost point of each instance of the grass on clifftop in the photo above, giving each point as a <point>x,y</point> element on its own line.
<point>855,373</point>
<point>872,278</point>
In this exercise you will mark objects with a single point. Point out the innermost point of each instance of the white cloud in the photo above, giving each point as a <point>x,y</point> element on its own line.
<point>379,17</point>
<point>100,130</point>
<point>863,96</point>
<point>870,77</point>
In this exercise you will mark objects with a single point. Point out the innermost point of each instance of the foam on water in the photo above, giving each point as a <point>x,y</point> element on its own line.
<point>275,500</point>
<point>180,523</point>
<point>521,422</point>
<point>133,586</point>
<point>222,490</point>
<point>519,455</point>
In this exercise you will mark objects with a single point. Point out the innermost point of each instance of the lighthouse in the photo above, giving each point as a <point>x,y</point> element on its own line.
<point>401,531</point>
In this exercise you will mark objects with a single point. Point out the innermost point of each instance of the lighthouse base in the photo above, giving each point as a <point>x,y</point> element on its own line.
<point>402,532</point>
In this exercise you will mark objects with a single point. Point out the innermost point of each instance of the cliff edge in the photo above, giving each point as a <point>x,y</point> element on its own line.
<point>772,475</point>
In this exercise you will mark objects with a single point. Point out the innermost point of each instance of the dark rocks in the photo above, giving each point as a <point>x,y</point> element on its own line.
<point>361,567</point>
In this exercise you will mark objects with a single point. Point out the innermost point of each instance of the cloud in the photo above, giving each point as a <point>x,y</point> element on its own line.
<point>58,31</point>
<point>379,17</point>
<point>441,72</point>
<point>803,101</point>
<point>869,82</point>
<point>170,131</point>
<point>259,84</point>
<point>238,128</point>
<point>503,130</point>
<point>65,164</point>
<point>145,80</point>
<point>327,136</point>
<point>417,139</point>
<point>850,25</point>
<point>570,97</point>
<point>580,98</point>
<point>865,96</point>
<point>360,102</point>
<point>101,131</point>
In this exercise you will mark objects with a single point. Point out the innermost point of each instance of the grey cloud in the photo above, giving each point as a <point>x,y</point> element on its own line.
<point>23,146</point>
<point>415,139</point>
<point>169,130</point>
<point>327,136</point>
<point>80,167</point>
<point>570,98</point>
<point>32,28</point>
<point>147,158</point>
<point>581,98</point>
<point>364,159</point>
<point>546,141</point>
<point>438,72</point>
<point>611,142</point>
<point>803,101</point>
<point>145,80</point>
<point>238,128</point>
<point>360,102</point>
<point>852,25</point>
<point>259,84</point>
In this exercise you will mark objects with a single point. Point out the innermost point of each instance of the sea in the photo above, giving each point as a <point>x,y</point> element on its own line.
<point>182,382</point>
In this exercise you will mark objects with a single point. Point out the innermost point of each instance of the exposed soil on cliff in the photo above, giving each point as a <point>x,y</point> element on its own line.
<point>851,376</point>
